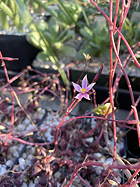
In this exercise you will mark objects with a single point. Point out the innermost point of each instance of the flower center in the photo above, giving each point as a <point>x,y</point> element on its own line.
<point>83,90</point>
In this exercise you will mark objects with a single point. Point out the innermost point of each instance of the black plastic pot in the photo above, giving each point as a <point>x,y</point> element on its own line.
<point>16,46</point>
<point>122,101</point>
<point>133,149</point>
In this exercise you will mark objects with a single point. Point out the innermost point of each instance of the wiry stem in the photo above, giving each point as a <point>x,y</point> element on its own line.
<point>111,74</point>
<point>121,35</point>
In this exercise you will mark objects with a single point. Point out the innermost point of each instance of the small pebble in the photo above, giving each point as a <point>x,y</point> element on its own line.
<point>21,127</point>
<point>12,149</point>
<point>22,163</point>
<point>2,169</point>
<point>48,135</point>
<point>31,184</point>
<point>97,155</point>
<point>108,161</point>
<point>99,170</point>
<point>9,163</point>
<point>90,140</point>
<point>24,185</point>
<point>28,162</point>
<point>30,127</point>
<point>30,157</point>
<point>26,122</point>
<point>93,123</point>
<point>24,155</point>
<point>57,175</point>
<point>16,154</point>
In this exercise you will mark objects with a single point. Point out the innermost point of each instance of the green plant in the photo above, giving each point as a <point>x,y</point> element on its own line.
<point>9,15</point>
<point>131,31</point>
<point>67,13</point>
<point>49,37</point>
<point>67,21</point>
<point>95,44</point>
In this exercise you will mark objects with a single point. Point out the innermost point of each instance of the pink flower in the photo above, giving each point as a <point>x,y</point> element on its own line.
<point>84,90</point>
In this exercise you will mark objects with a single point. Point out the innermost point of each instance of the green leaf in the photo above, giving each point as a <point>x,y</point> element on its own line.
<point>87,33</point>
<point>66,35</point>
<point>4,21</point>
<point>53,25</point>
<point>6,9</point>
<point>34,38</point>
<point>42,25</point>
<point>68,51</point>
<point>104,109</point>
<point>137,32</point>
<point>43,56</point>
<point>24,13</point>
<point>58,45</point>
<point>13,6</point>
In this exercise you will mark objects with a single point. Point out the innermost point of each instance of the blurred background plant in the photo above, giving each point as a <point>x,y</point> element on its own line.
<point>65,29</point>
<point>48,35</point>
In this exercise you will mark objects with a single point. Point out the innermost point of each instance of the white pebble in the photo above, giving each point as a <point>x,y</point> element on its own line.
<point>9,163</point>
<point>30,157</point>
<point>102,159</point>
<point>12,149</point>
<point>31,184</point>
<point>48,135</point>
<point>30,127</point>
<point>2,169</point>
<point>109,161</point>
<point>22,163</point>
<point>32,150</point>
<point>99,170</point>
<point>16,154</point>
<point>28,162</point>
<point>24,155</point>
<point>40,113</point>
<point>24,185</point>
<point>93,123</point>
<point>20,147</point>
<point>21,127</point>
<point>97,155</point>
<point>26,122</point>
<point>90,140</point>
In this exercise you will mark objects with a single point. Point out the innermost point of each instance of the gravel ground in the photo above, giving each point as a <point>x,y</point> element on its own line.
<point>36,165</point>
<point>27,166</point>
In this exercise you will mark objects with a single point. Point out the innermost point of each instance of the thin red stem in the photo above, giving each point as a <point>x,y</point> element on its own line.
<point>111,74</point>
<point>131,179</point>
<point>123,38</point>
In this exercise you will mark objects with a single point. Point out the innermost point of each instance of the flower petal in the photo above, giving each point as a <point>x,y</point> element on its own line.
<point>84,82</point>
<point>86,96</point>
<point>90,86</point>
<point>79,96</point>
<point>77,87</point>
